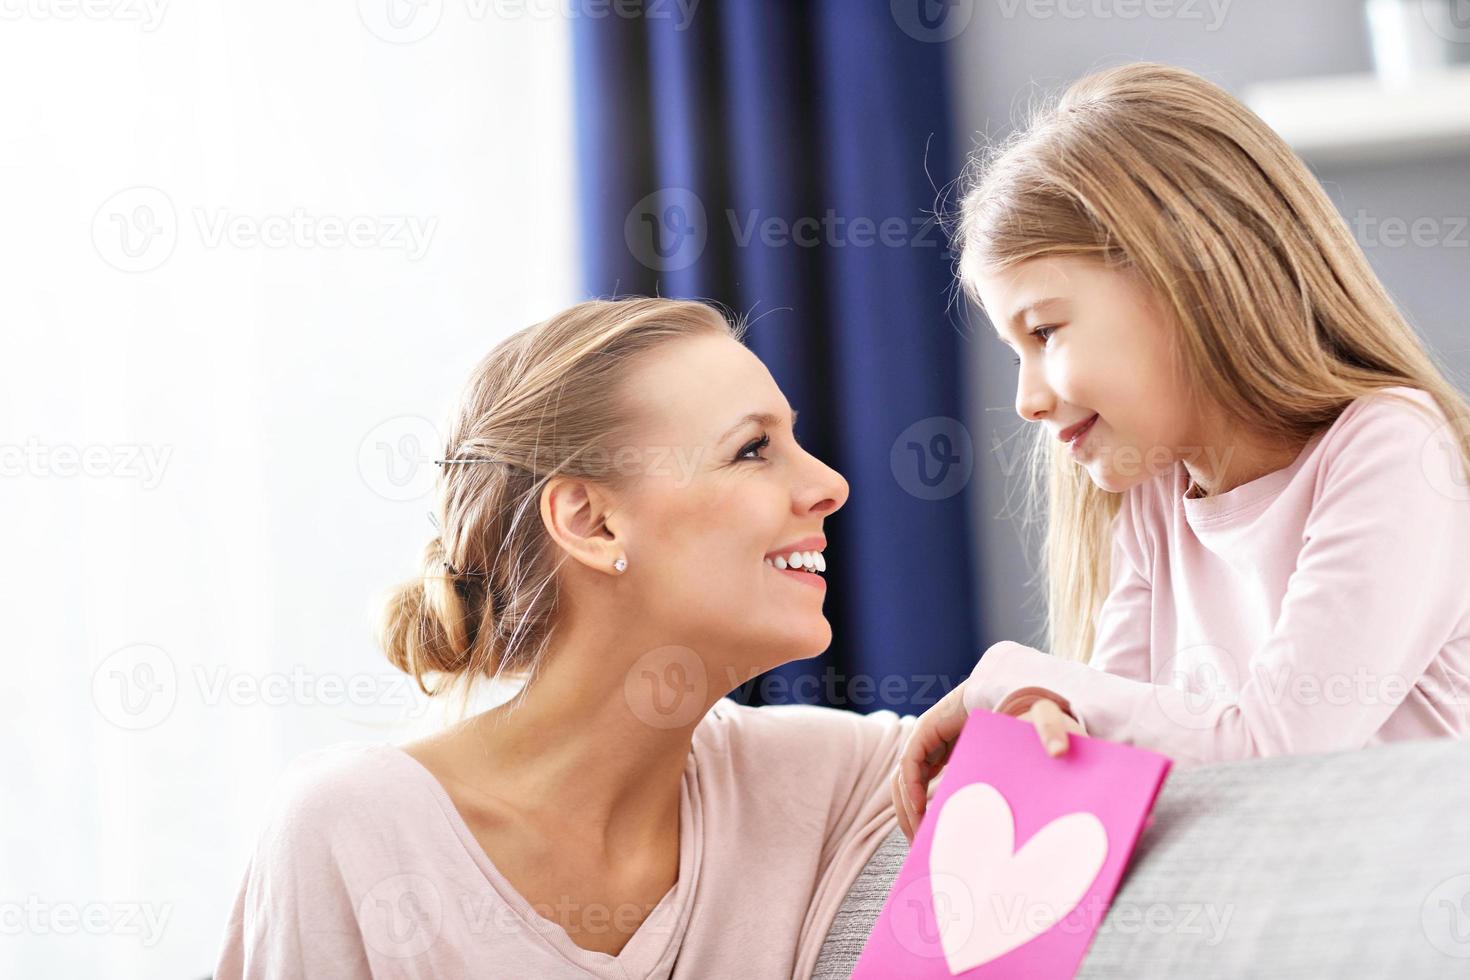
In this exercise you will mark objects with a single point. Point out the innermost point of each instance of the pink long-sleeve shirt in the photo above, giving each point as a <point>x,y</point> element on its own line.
<point>1322,606</point>
<point>364,868</point>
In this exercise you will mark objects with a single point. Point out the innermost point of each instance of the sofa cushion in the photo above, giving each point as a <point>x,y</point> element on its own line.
<point>1351,863</point>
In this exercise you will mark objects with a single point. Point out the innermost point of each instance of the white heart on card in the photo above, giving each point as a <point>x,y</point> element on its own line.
<point>1011,896</point>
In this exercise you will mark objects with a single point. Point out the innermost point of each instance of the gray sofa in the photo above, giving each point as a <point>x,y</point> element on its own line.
<point>1347,864</point>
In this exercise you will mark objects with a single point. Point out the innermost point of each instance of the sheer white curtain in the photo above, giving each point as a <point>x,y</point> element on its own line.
<point>249,253</point>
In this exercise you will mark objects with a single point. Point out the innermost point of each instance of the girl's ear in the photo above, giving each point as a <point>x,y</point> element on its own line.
<point>576,514</point>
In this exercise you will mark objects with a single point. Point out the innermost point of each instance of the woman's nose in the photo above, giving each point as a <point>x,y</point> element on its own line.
<point>826,493</point>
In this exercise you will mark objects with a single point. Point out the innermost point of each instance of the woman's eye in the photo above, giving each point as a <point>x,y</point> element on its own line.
<point>755,447</point>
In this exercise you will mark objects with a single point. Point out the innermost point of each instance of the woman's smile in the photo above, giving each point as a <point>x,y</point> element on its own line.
<point>802,560</point>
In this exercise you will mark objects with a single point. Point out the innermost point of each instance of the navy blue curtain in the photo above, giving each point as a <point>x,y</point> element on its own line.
<point>776,157</point>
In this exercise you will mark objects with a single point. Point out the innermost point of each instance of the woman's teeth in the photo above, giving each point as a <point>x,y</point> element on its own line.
<point>805,561</point>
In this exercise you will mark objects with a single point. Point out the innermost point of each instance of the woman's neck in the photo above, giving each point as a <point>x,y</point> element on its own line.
<point>572,754</point>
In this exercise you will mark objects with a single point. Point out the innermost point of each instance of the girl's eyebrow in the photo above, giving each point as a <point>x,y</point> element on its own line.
<point>759,418</point>
<point>1019,316</point>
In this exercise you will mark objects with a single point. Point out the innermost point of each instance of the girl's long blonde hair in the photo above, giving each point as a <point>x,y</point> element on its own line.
<point>1280,320</point>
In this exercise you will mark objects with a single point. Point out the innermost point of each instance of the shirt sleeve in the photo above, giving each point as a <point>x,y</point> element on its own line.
<point>1378,590</point>
<point>293,915</point>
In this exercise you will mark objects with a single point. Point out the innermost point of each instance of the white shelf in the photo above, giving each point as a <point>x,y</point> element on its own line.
<point>1356,118</point>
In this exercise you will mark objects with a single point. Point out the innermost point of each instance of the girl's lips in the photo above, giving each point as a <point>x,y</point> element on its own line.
<point>1076,440</point>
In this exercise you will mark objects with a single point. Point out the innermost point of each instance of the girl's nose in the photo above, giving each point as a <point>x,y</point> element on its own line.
<point>1034,398</point>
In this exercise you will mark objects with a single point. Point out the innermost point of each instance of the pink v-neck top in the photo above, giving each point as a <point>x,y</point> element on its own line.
<point>1322,606</point>
<point>364,868</point>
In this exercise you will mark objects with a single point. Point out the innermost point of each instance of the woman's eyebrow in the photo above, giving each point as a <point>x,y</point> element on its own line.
<point>759,418</point>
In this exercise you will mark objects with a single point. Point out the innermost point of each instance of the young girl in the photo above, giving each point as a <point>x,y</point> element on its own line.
<point>1258,528</point>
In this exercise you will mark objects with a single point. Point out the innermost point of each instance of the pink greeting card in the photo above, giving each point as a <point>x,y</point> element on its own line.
<point>1017,858</point>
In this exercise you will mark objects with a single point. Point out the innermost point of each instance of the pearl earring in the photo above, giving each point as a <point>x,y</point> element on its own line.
<point>620,564</point>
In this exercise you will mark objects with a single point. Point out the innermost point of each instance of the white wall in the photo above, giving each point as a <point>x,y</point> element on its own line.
<point>208,428</point>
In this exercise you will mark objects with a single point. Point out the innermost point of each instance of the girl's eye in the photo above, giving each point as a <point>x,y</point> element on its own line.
<point>755,447</point>
<point>1036,333</point>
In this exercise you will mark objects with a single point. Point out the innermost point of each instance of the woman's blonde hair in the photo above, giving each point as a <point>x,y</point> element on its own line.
<point>1280,322</point>
<point>549,400</point>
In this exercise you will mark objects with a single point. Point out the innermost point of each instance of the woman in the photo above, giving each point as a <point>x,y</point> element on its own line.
<point>629,525</point>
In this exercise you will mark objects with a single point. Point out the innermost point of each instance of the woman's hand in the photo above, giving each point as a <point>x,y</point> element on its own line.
<point>924,755</point>
<point>929,746</point>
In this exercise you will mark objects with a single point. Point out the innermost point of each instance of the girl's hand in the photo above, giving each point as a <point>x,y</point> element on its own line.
<point>1051,718</point>
<point>929,746</point>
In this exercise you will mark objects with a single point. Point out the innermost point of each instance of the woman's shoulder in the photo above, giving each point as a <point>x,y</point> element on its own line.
<point>323,791</point>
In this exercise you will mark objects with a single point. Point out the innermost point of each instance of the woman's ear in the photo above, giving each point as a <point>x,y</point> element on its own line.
<point>576,515</point>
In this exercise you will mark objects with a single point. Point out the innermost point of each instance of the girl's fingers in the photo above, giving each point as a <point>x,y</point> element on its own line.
<point>1050,728</point>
